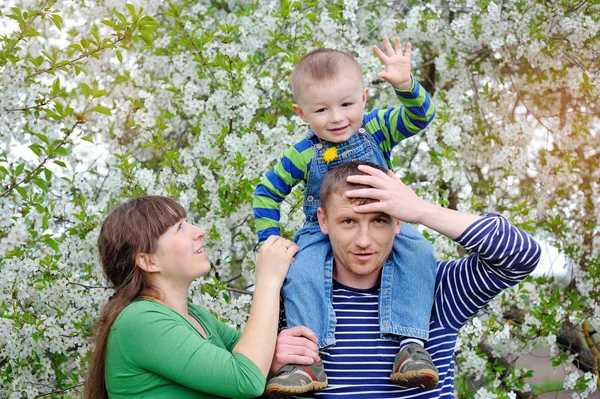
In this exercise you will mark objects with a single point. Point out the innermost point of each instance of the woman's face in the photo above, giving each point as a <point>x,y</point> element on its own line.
<point>180,255</point>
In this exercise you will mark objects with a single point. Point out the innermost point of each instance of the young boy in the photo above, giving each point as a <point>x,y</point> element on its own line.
<point>330,96</point>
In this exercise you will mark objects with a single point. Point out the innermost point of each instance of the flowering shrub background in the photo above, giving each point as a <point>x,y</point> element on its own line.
<point>102,100</point>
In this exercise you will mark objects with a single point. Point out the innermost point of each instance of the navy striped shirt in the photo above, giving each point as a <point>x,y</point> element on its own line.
<point>360,363</point>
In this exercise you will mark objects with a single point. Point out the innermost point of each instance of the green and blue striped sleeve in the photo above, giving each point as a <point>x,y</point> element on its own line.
<point>392,125</point>
<point>276,184</point>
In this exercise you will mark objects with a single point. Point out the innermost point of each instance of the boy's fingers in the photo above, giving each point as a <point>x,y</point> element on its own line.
<point>398,46</point>
<point>379,53</point>
<point>388,46</point>
<point>407,52</point>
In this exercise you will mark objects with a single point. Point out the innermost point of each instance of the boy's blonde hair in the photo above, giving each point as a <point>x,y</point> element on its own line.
<point>321,64</point>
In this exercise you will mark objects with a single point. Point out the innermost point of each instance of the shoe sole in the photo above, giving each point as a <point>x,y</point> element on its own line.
<point>281,391</point>
<point>416,379</point>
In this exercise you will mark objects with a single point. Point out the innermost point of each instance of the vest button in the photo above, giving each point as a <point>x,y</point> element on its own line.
<point>319,146</point>
<point>362,130</point>
<point>310,198</point>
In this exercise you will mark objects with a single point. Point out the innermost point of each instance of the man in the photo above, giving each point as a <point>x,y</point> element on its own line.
<point>362,208</point>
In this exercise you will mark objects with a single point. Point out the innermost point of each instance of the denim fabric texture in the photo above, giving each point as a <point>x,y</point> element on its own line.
<point>407,278</point>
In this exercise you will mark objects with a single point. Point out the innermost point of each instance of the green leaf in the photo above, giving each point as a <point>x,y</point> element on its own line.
<point>149,22</point>
<point>88,139</point>
<point>121,17</point>
<point>51,243</point>
<point>79,69</point>
<point>131,9</point>
<point>87,91</point>
<point>61,151</point>
<point>36,148</point>
<point>101,109</point>
<point>20,169</point>
<point>37,61</point>
<point>41,184</point>
<point>42,137</point>
<point>60,163</point>
<point>98,93</point>
<point>147,38</point>
<point>57,19</point>
<point>56,86</point>
<point>32,33</point>
<point>40,208</point>
<point>58,106</point>
<point>52,115</point>
<point>108,23</point>
<point>119,56</point>
<point>21,192</point>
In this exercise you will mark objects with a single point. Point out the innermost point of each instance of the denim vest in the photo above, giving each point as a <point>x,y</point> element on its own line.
<point>361,146</point>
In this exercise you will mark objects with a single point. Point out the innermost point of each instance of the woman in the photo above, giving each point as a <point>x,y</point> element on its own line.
<point>150,341</point>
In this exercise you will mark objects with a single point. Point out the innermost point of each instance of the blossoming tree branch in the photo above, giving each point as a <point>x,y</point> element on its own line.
<point>102,101</point>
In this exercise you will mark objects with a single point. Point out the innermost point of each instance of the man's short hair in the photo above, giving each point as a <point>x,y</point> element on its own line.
<point>335,182</point>
<point>321,64</point>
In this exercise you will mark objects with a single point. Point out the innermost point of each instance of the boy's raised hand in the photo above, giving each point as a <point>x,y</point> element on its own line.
<point>397,65</point>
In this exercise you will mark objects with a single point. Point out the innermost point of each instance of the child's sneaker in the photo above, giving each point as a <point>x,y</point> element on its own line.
<point>295,379</point>
<point>413,368</point>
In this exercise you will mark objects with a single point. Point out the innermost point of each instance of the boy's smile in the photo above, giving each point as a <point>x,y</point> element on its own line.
<point>333,108</point>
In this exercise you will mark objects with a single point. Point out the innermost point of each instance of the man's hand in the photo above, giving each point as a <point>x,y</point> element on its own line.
<point>394,198</point>
<point>397,65</point>
<point>296,345</point>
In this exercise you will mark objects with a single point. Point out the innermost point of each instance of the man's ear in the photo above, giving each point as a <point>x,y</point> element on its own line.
<point>146,263</point>
<point>296,108</point>
<point>398,226</point>
<point>322,220</point>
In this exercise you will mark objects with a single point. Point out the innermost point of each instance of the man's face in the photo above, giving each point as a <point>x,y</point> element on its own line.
<point>361,242</point>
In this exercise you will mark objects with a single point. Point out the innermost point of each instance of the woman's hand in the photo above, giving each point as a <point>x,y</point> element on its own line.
<point>273,261</point>
<point>257,342</point>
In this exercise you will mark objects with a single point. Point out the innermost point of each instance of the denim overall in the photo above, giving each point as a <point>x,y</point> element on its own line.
<point>407,278</point>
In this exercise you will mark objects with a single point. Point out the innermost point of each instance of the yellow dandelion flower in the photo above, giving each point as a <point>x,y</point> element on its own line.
<point>330,154</point>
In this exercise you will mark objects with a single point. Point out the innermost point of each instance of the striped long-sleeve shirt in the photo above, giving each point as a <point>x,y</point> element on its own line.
<point>360,363</point>
<point>388,126</point>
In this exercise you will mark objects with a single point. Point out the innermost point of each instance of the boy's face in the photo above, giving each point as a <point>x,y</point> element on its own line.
<point>333,108</point>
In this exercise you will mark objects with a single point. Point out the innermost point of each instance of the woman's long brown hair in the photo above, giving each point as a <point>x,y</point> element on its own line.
<point>130,229</point>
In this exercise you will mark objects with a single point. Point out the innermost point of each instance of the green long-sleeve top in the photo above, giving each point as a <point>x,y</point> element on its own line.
<point>154,352</point>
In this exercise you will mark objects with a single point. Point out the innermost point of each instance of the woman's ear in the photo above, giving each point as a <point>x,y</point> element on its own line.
<point>146,263</point>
